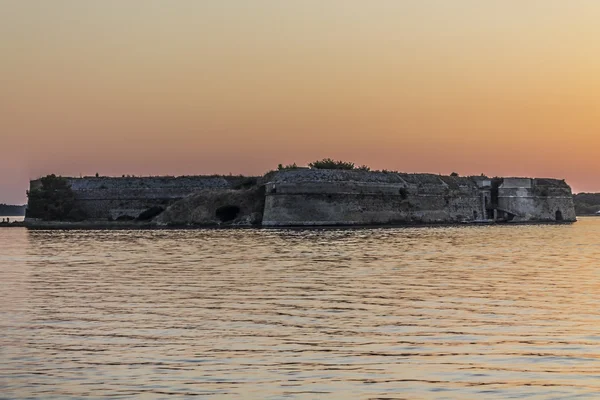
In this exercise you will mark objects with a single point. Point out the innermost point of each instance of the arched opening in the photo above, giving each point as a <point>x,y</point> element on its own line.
<point>475,215</point>
<point>150,213</point>
<point>559,216</point>
<point>227,213</point>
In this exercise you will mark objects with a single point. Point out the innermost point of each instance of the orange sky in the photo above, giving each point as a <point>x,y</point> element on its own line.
<point>506,87</point>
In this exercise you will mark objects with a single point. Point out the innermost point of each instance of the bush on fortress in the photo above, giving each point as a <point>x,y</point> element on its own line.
<point>53,200</point>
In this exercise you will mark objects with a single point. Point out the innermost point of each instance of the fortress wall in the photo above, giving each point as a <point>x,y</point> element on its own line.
<point>206,208</point>
<point>344,209</point>
<point>564,205</point>
<point>133,194</point>
<point>158,182</point>
<point>536,199</point>
<point>337,188</point>
<point>306,197</point>
<point>339,198</point>
<point>108,197</point>
<point>106,209</point>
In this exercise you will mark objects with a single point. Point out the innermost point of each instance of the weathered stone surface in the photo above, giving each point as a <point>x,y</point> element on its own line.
<point>307,197</point>
<point>338,197</point>
<point>536,199</point>
<point>107,198</point>
<point>215,208</point>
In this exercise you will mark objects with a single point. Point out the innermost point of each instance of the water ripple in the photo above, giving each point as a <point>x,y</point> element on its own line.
<point>449,312</point>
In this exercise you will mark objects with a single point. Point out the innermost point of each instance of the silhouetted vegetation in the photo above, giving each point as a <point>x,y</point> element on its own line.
<point>282,167</point>
<point>53,200</point>
<point>586,203</point>
<point>454,174</point>
<point>328,163</point>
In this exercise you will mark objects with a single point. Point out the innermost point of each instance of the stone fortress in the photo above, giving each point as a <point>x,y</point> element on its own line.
<point>103,198</point>
<point>330,197</point>
<point>320,197</point>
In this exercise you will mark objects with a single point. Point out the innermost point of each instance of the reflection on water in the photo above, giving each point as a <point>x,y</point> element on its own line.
<point>459,312</point>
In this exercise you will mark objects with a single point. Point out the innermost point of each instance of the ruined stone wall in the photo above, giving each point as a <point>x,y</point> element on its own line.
<point>337,197</point>
<point>111,198</point>
<point>216,208</point>
<point>307,197</point>
<point>536,199</point>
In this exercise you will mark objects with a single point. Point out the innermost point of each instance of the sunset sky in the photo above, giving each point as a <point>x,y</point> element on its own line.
<point>174,87</point>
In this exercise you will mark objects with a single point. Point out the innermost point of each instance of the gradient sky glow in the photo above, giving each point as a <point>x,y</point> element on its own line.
<point>149,87</point>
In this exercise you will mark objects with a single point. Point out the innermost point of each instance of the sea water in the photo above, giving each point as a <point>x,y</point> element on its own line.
<point>464,312</point>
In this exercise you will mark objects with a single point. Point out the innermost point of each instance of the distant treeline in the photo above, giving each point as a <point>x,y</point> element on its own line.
<point>12,211</point>
<point>586,203</point>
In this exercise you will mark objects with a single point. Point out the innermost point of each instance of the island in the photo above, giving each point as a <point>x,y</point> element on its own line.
<point>7,210</point>
<point>587,204</point>
<point>326,193</point>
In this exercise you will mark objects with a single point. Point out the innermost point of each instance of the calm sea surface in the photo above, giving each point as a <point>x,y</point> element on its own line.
<point>459,312</point>
<point>12,218</point>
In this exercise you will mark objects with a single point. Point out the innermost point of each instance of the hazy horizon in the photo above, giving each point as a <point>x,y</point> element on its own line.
<point>504,88</point>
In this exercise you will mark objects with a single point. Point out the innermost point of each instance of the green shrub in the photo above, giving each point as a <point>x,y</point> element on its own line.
<point>53,201</point>
<point>328,163</point>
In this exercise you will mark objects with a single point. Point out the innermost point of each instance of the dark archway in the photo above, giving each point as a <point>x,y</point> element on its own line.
<point>475,215</point>
<point>150,213</point>
<point>559,216</point>
<point>227,213</point>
